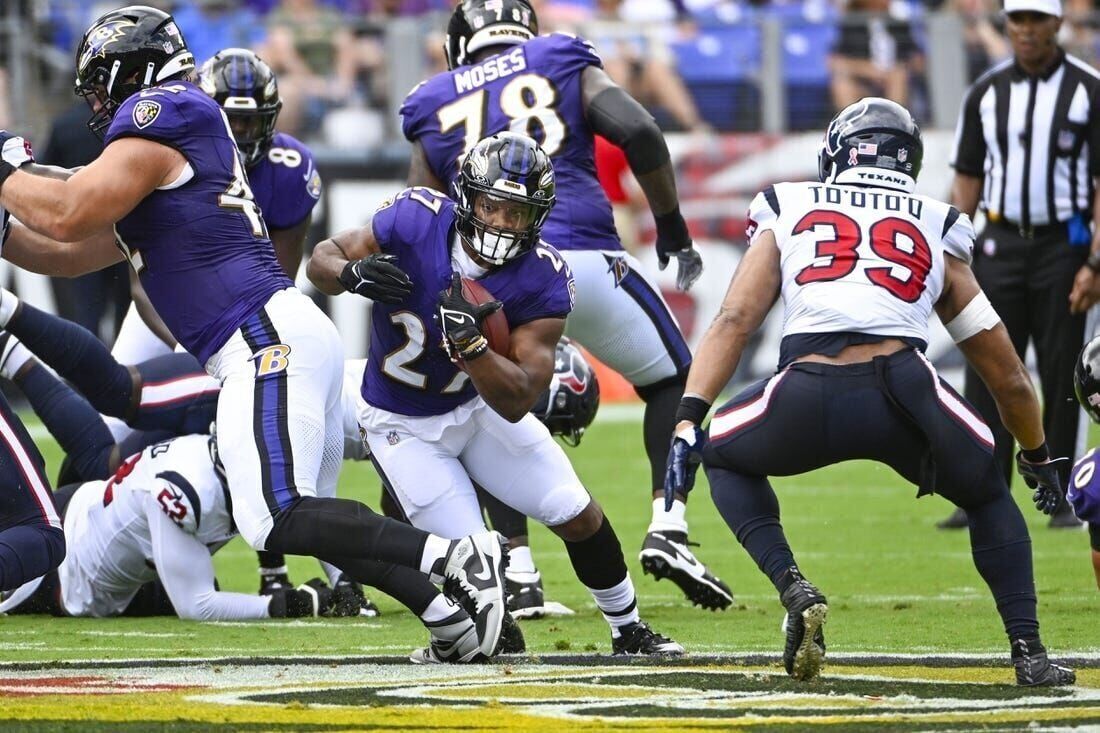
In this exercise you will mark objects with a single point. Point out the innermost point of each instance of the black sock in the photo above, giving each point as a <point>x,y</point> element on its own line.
<point>410,587</point>
<point>271,561</point>
<point>751,509</point>
<point>661,401</point>
<point>598,561</point>
<point>1001,548</point>
<point>324,527</point>
<point>505,519</point>
<point>74,423</point>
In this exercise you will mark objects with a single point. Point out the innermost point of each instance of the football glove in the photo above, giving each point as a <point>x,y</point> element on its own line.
<point>1046,479</point>
<point>673,239</point>
<point>378,278</point>
<point>14,152</point>
<point>313,598</point>
<point>460,321</point>
<point>684,458</point>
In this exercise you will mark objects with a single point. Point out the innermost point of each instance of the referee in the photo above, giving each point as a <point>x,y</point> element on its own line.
<point>1027,150</point>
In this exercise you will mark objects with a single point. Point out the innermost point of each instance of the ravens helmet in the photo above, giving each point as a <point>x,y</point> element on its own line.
<point>244,85</point>
<point>505,170</point>
<point>123,52</point>
<point>478,24</point>
<point>874,142</point>
<point>569,406</point>
<point>1086,378</point>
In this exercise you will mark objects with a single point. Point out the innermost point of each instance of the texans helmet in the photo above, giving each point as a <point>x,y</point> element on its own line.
<point>874,142</point>
<point>1086,378</point>
<point>478,24</point>
<point>123,52</point>
<point>506,167</point>
<point>244,85</point>
<point>569,406</point>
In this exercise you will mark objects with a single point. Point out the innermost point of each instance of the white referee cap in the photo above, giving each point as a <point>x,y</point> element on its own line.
<point>1049,7</point>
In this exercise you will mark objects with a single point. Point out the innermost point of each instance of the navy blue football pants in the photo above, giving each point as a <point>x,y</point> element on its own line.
<point>895,410</point>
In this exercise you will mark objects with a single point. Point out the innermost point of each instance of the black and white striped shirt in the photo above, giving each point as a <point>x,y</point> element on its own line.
<point>1035,140</point>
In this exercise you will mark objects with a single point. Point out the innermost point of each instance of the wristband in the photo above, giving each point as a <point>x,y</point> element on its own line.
<point>1093,261</point>
<point>1036,455</point>
<point>672,226</point>
<point>478,348</point>
<point>693,409</point>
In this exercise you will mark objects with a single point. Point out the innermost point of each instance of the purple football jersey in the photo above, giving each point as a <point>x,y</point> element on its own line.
<point>1083,492</point>
<point>285,182</point>
<point>534,89</point>
<point>200,246</point>
<point>408,372</point>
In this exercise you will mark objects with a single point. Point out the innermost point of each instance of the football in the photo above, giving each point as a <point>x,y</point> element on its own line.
<point>495,327</point>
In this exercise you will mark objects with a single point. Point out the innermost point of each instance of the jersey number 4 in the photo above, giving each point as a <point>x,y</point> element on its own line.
<point>897,241</point>
<point>529,101</point>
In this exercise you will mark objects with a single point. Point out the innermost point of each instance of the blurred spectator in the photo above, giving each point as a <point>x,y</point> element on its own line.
<point>211,25</point>
<point>86,299</point>
<point>375,10</point>
<point>1078,35</point>
<point>874,54</point>
<point>316,58</point>
<point>985,43</point>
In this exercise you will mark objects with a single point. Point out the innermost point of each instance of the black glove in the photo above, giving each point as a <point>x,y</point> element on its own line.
<point>1046,479</point>
<point>461,320</point>
<point>376,277</point>
<point>14,152</point>
<point>684,458</point>
<point>311,599</point>
<point>673,240</point>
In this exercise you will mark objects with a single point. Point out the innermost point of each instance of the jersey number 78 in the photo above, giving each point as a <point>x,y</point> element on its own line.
<point>529,101</point>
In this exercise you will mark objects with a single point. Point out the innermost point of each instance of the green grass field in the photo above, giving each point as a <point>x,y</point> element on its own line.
<point>895,584</point>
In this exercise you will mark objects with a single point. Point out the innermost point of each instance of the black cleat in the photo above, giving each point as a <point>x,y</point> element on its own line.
<point>271,583</point>
<point>638,638</point>
<point>1063,517</point>
<point>348,599</point>
<point>957,520</point>
<point>511,638</point>
<point>666,555</point>
<point>804,653</point>
<point>524,594</point>
<point>1034,669</point>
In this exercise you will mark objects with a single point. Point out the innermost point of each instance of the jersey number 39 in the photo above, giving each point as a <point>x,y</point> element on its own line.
<point>897,241</point>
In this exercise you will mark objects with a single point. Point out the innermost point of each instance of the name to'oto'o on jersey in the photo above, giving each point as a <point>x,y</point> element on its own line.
<point>495,68</point>
<point>863,199</point>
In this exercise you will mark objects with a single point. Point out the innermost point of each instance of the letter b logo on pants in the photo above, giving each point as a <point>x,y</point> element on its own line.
<point>271,360</point>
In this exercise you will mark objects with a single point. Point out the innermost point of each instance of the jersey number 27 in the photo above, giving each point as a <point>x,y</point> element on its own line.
<point>894,240</point>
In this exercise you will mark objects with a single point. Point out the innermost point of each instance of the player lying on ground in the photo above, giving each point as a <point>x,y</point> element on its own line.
<point>503,76</point>
<point>860,262</point>
<point>1084,483</point>
<point>170,183</point>
<point>441,409</point>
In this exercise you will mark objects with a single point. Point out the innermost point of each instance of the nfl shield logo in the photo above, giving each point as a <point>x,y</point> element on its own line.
<point>393,438</point>
<point>1066,140</point>
<point>145,113</point>
<point>903,155</point>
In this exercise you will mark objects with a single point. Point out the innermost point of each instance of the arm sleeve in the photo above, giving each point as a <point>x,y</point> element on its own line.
<point>763,214</point>
<point>968,156</point>
<point>958,235</point>
<point>187,574</point>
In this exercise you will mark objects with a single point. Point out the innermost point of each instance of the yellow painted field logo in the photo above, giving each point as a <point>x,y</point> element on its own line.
<point>271,360</point>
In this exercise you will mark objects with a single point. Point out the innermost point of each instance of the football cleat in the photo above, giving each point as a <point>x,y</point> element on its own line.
<point>453,641</point>
<point>348,599</point>
<point>804,653</point>
<point>511,637</point>
<point>474,569</point>
<point>957,520</point>
<point>638,638</point>
<point>524,595</point>
<point>270,583</point>
<point>1034,669</point>
<point>666,555</point>
<point>1064,518</point>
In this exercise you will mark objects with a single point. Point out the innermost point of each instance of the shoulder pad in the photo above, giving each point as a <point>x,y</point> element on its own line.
<point>763,213</point>
<point>958,235</point>
<point>179,500</point>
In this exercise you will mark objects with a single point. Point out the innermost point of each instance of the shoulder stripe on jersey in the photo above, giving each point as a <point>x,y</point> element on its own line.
<point>772,199</point>
<point>949,221</point>
<point>185,486</point>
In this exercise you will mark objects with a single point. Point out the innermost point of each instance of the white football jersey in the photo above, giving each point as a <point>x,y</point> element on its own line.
<point>859,259</point>
<point>110,551</point>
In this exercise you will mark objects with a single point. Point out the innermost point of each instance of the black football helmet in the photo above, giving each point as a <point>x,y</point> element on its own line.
<point>873,142</point>
<point>123,52</point>
<point>244,85</point>
<point>569,406</point>
<point>478,24</point>
<point>506,167</point>
<point>1086,379</point>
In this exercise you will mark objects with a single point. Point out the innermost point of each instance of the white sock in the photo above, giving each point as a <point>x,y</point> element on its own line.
<point>435,549</point>
<point>331,571</point>
<point>618,604</point>
<point>17,356</point>
<point>519,561</point>
<point>8,304</point>
<point>281,570</point>
<point>438,609</point>
<point>670,521</point>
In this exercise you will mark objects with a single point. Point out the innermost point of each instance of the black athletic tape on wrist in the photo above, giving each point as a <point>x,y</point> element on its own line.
<point>1036,455</point>
<point>672,226</point>
<point>692,409</point>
